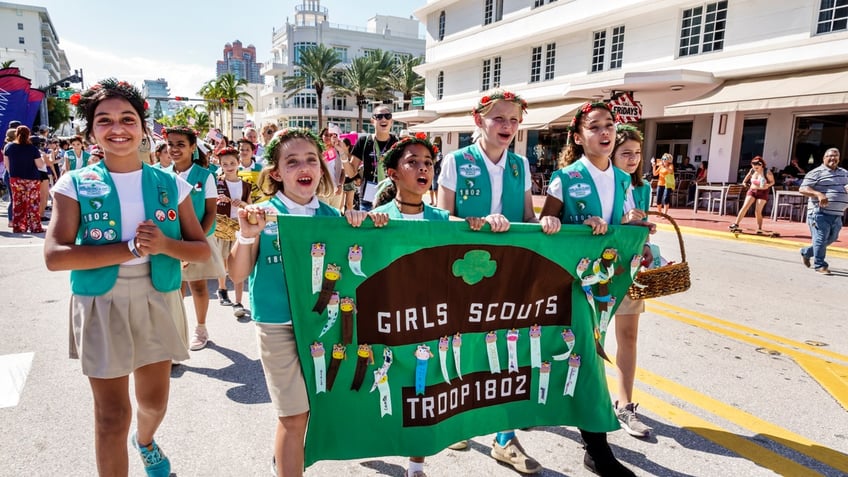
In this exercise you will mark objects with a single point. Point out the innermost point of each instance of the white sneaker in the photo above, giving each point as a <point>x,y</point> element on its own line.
<point>199,340</point>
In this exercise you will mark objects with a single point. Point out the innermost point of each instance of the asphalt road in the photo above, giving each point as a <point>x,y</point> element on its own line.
<point>744,375</point>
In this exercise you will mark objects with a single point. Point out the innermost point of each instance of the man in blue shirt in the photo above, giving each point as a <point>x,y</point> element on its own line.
<point>827,188</point>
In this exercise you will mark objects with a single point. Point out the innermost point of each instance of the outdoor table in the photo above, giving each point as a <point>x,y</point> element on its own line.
<point>787,194</point>
<point>721,189</point>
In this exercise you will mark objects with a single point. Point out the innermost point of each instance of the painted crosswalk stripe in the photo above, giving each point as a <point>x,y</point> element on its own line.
<point>14,369</point>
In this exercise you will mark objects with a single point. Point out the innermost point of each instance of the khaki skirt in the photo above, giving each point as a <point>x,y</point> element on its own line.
<point>212,268</point>
<point>130,326</point>
<point>630,306</point>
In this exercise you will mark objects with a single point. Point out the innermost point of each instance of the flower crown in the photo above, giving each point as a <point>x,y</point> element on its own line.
<point>398,147</point>
<point>289,133</point>
<point>586,109</point>
<point>500,95</point>
<point>184,130</point>
<point>227,151</point>
<point>90,97</point>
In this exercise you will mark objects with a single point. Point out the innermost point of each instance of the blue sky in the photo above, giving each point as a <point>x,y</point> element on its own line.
<point>181,41</point>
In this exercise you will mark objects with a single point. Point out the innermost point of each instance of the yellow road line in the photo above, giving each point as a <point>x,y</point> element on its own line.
<point>752,331</point>
<point>743,419</point>
<point>735,443</point>
<point>832,377</point>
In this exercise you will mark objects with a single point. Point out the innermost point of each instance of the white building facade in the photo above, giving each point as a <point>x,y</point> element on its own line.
<point>719,81</point>
<point>28,37</point>
<point>311,26</point>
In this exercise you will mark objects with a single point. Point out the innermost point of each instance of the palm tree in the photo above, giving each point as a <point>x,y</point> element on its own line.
<point>6,64</point>
<point>385,62</point>
<point>406,81</point>
<point>316,69</point>
<point>209,92</point>
<point>229,93</point>
<point>359,79</point>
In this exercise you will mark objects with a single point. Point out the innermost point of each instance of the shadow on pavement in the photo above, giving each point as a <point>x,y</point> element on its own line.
<point>244,371</point>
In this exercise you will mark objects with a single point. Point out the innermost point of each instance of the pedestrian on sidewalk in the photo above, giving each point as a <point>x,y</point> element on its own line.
<point>664,170</point>
<point>758,180</point>
<point>587,168</point>
<point>827,188</point>
<point>24,161</point>
<point>233,194</point>
<point>122,228</point>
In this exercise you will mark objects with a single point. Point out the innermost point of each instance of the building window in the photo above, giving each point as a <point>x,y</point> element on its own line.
<point>340,103</point>
<point>599,45</point>
<point>536,64</point>
<point>492,11</point>
<point>491,73</point>
<point>20,26</point>
<point>487,75</point>
<point>550,61</point>
<point>702,29</point>
<point>617,47</point>
<point>496,72</point>
<point>305,100</point>
<point>833,16</point>
<point>366,52</point>
<point>299,47</point>
<point>440,85</point>
<point>21,40</point>
<point>539,3</point>
<point>342,52</point>
<point>442,25</point>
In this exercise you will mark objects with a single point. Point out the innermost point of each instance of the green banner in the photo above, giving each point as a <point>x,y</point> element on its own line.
<point>446,333</point>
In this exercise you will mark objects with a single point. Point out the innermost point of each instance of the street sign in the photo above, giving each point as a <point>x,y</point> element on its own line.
<point>417,101</point>
<point>65,93</point>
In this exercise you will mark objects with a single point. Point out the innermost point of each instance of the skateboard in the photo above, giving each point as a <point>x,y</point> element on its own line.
<point>761,233</point>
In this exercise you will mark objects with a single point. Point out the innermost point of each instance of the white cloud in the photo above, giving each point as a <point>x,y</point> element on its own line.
<point>184,79</point>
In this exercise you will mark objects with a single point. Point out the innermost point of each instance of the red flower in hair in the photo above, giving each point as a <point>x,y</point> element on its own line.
<point>509,96</point>
<point>146,106</point>
<point>485,100</point>
<point>421,135</point>
<point>96,86</point>
<point>587,108</point>
<point>75,99</point>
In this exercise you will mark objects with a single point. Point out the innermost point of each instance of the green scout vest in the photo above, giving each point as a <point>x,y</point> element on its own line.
<point>269,295</point>
<point>473,192</point>
<point>642,197</point>
<point>76,162</point>
<point>197,179</point>
<point>158,165</point>
<point>580,195</point>
<point>100,223</point>
<point>430,212</point>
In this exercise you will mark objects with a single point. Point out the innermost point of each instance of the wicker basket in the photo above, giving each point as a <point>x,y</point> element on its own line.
<point>225,227</point>
<point>666,280</point>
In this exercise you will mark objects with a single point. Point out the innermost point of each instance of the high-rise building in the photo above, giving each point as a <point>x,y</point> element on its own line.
<point>28,37</point>
<point>156,91</point>
<point>241,62</point>
<point>717,80</point>
<point>310,27</point>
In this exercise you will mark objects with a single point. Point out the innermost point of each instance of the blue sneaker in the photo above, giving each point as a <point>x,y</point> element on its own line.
<point>156,464</point>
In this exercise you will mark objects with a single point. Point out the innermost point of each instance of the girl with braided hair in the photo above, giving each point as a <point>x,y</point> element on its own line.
<point>122,227</point>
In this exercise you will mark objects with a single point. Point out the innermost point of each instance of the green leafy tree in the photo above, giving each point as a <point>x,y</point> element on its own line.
<point>58,112</point>
<point>157,110</point>
<point>6,64</point>
<point>406,81</point>
<point>316,69</point>
<point>209,92</point>
<point>230,93</point>
<point>359,79</point>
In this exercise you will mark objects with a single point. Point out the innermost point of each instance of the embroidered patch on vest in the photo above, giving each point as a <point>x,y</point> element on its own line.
<point>94,189</point>
<point>469,170</point>
<point>579,190</point>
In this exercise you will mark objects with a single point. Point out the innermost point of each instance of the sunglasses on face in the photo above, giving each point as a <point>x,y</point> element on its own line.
<point>383,116</point>
<point>756,163</point>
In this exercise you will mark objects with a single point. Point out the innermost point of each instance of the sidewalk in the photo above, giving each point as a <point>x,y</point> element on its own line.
<point>792,234</point>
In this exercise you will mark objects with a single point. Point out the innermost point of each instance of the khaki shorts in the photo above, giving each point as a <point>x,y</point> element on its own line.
<point>130,326</point>
<point>630,306</point>
<point>283,373</point>
<point>222,248</point>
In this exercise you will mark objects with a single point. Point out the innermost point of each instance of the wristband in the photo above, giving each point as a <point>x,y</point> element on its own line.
<point>242,240</point>
<point>133,249</point>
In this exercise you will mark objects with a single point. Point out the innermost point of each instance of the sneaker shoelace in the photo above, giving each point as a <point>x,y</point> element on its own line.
<point>151,457</point>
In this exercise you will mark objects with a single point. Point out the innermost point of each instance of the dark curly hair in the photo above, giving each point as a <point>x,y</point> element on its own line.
<point>198,157</point>
<point>572,150</point>
<point>387,192</point>
<point>87,101</point>
<point>624,133</point>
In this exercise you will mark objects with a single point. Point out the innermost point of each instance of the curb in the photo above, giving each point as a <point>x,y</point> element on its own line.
<point>839,252</point>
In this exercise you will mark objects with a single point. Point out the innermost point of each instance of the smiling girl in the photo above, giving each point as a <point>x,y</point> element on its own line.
<point>122,228</point>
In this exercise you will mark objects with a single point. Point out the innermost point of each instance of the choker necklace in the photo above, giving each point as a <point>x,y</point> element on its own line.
<point>400,203</point>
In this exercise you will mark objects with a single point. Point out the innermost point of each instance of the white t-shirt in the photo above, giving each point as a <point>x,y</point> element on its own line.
<point>297,209</point>
<point>496,170</point>
<point>128,185</point>
<point>236,191</point>
<point>604,182</point>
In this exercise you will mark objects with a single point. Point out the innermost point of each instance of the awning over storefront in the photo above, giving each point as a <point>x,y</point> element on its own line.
<point>536,118</point>
<point>822,88</point>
